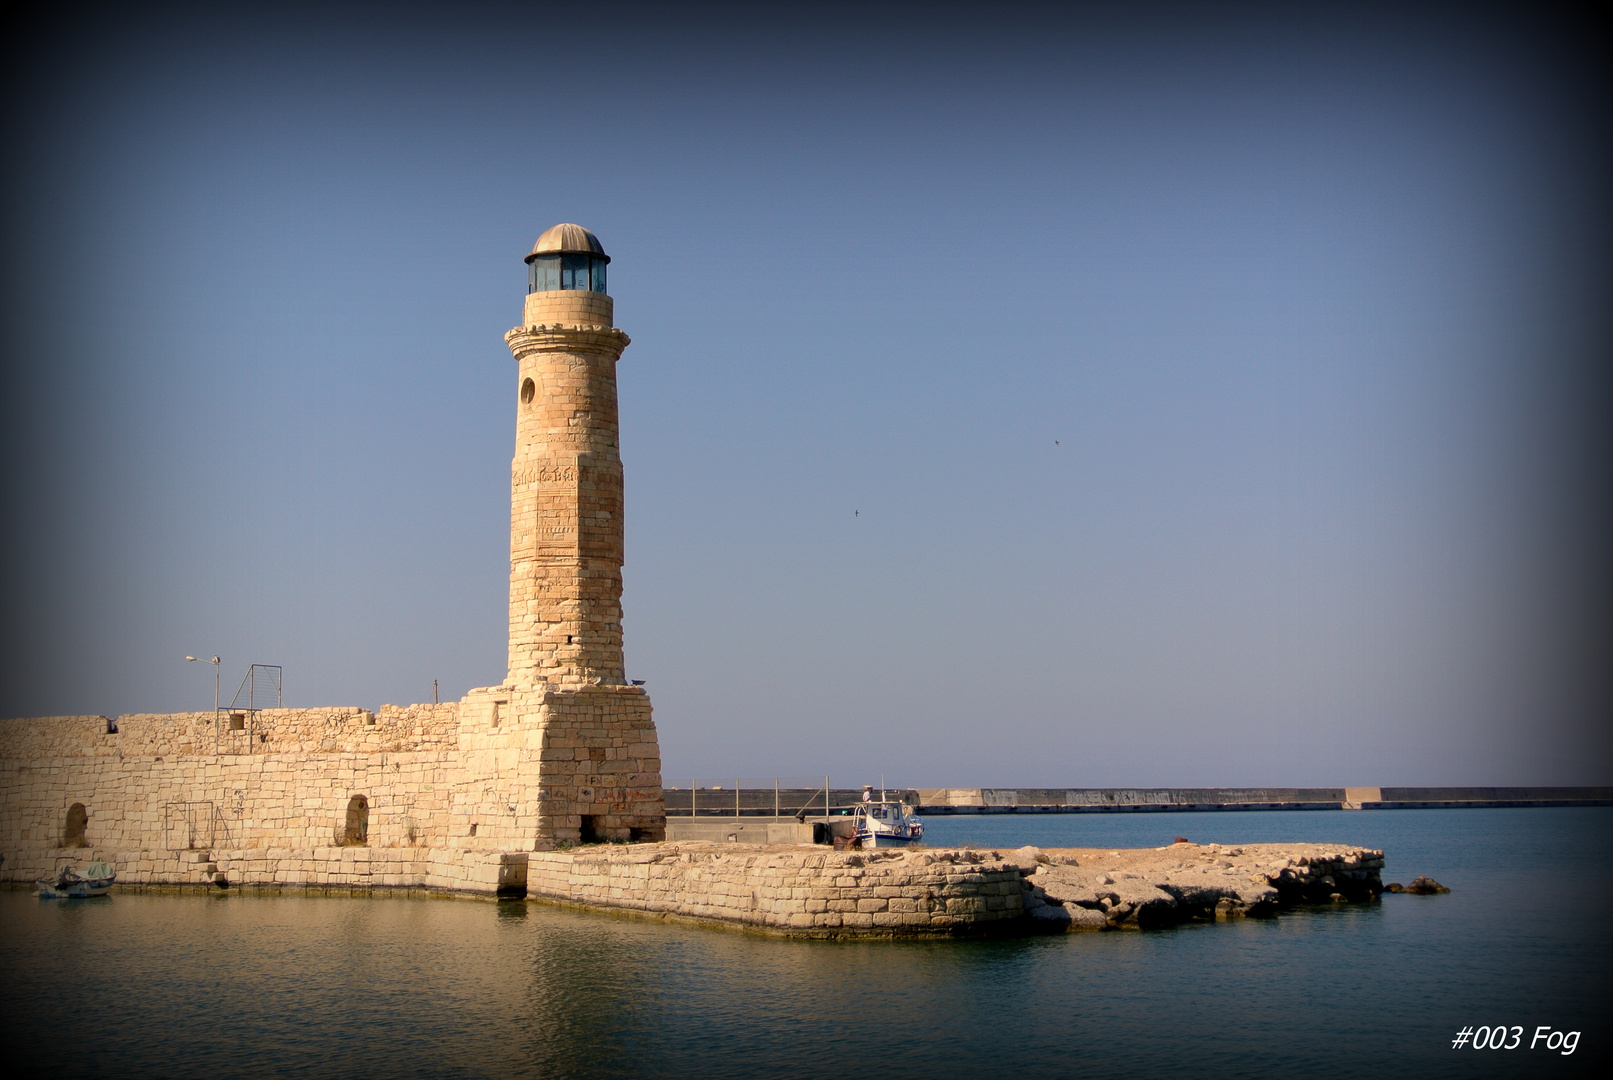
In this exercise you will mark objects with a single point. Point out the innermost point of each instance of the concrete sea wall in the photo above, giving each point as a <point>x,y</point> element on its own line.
<point>944,801</point>
<point>726,802</point>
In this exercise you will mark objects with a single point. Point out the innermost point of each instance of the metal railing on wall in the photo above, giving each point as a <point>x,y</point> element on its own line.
<point>260,685</point>
<point>234,728</point>
<point>189,825</point>
<point>768,796</point>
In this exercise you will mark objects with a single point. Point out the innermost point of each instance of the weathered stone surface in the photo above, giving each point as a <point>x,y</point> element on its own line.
<point>925,891</point>
<point>885,893</point>
<point>1138,889</point>
<point>564,750</point>
<point>479,795</point>
<point>1027,858</point>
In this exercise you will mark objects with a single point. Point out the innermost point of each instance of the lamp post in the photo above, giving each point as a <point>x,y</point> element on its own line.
<point>214,662</point>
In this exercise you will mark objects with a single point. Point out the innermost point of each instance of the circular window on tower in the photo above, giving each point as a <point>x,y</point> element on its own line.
<point>529,390</point>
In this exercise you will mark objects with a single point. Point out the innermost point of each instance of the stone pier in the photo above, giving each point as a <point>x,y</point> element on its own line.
<point>921,892</point>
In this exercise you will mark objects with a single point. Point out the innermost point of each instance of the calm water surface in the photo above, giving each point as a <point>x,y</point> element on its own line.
<point>238,985</point>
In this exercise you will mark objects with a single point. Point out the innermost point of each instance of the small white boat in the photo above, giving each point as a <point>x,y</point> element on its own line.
<point>887,824</point>
<point>69,884</point>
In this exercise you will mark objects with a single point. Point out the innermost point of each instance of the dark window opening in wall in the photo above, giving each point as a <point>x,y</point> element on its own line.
<point>496,704</point>
<point>473,828</point>
<point>111,726</point>
<point>568,639</point>
<point>237,721</point>
<point>590,833</point>
<point>529,390</point>
<point>357,833</point>
<point>77,819</point>
<point>369,719</point>
<point>635,835</point>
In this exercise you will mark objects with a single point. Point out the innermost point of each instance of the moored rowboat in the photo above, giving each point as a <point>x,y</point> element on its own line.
<point>69,884</point>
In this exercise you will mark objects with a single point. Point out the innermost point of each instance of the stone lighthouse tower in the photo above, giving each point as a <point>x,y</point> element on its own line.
<point>566,479</point>
<point>566,731</point>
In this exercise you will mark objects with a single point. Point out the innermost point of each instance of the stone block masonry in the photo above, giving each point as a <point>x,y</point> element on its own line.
<point>597,775</point>
<point>422,795</point>
<point>799,891</point>
<point>470,797</point>
<point>919,892</point>
<point>563,751</point>
<point>488,794</point>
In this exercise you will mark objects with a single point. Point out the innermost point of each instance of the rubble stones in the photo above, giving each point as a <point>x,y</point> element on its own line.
<point>1147,888</point>
<point>1421,886</point>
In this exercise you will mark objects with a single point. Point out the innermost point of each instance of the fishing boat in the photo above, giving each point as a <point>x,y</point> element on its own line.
<point>887,824</point>
<point>69,884</point>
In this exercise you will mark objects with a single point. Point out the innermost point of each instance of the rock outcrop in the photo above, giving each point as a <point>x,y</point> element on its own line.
<point>1421,886</point>
<point>1092,889</point>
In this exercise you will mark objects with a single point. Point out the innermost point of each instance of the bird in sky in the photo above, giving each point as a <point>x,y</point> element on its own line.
<point>856,513</point>
<point>1055,442</point>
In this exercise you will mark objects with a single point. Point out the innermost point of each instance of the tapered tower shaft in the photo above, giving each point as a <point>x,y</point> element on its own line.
<point>566,476</point>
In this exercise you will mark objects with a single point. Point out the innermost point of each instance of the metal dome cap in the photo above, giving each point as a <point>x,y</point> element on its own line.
<point>568,239</point>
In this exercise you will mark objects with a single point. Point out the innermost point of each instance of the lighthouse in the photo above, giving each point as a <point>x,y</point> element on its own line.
<point>566,745</point>
<point>566,477</point>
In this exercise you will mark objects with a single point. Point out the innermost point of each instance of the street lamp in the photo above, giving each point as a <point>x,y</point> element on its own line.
<point>214,662</point>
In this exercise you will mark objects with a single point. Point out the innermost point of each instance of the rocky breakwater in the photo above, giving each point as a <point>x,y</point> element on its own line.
<point>1097,889</point>
<point>806,891</point>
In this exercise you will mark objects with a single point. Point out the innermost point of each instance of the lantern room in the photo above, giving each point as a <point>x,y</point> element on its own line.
<point>566,257</point>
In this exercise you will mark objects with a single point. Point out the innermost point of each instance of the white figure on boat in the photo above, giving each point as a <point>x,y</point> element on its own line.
<point>69,884</point>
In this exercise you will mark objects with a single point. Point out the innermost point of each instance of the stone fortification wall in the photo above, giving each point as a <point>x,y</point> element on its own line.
<point>802,891</point>
<point>337,730</point>
<point>287,795</point>
<point>147,815</point>
<point>150,787</point>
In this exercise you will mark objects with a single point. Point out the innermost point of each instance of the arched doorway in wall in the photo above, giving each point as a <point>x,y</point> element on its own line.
<point>73,831</point>
<point>357,833</point>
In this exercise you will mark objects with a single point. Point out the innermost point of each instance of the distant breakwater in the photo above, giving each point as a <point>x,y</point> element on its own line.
<point>760,801</point>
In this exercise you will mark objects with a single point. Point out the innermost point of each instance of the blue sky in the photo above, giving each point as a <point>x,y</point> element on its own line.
<point>1092,396</point>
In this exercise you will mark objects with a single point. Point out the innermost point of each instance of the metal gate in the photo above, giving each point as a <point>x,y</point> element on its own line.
<point>191,825</point>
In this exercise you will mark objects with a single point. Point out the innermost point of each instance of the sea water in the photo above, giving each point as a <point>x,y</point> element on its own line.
<point>231,984</point>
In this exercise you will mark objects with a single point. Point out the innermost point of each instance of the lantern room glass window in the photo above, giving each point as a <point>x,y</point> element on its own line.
<point>543,274</point>
<point>574,272</point>
<point>548,273</point>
